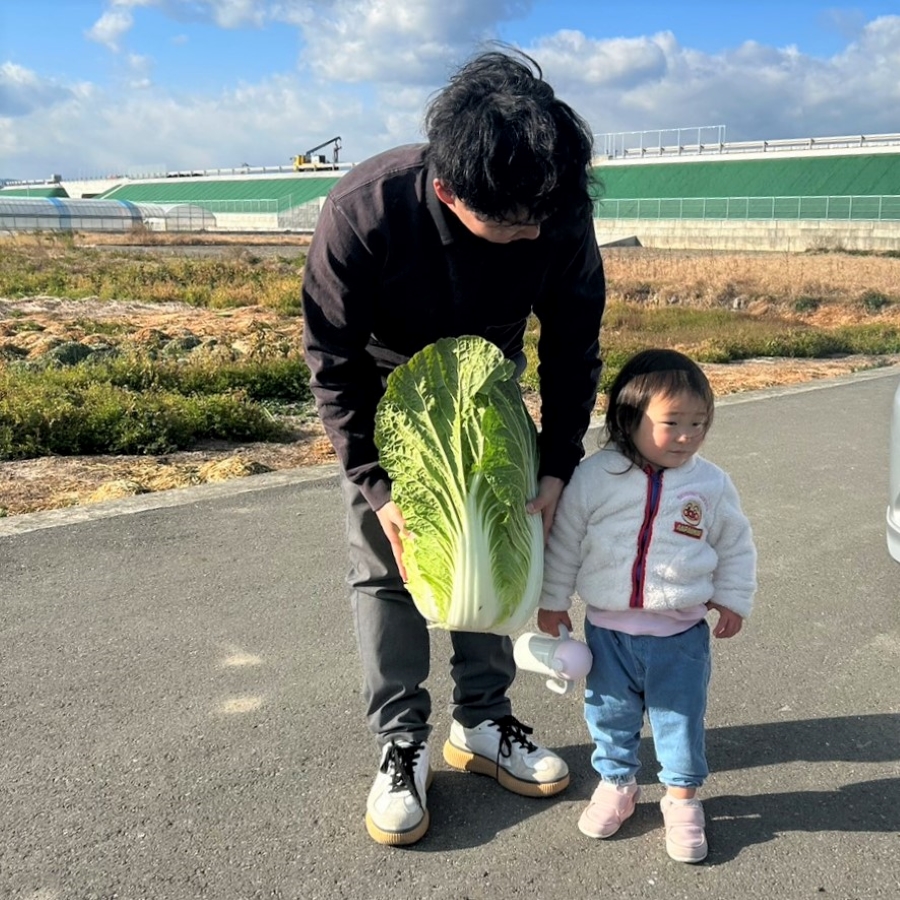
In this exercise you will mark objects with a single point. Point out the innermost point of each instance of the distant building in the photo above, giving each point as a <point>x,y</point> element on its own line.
<point>652,189</point>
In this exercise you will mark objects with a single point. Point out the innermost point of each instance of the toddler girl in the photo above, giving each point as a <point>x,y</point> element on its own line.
<point>651,537</point>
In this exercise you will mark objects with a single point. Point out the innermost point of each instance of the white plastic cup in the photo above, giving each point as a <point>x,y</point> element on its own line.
<point>563,660</point>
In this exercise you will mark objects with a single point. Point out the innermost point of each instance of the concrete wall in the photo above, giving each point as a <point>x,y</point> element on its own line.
<point>744,234</point>
<point>694,234</point>
<point>247,222</point>
<point>89,188</point>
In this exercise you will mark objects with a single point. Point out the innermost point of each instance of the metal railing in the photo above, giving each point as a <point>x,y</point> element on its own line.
<point>311,169</point>
<point>158,173</point>
<point>245,207</point>
<point>261,206</point>
<point>649,144</point>
<point>885,207</point>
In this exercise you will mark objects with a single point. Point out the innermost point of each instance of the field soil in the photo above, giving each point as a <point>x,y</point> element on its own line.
<point>58,482</point>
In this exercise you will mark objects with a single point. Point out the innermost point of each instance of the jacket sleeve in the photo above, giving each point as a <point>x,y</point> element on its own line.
<point>341,268</point>
<point>562,555</point>
<point>734,581</point>
<point>569,354</point>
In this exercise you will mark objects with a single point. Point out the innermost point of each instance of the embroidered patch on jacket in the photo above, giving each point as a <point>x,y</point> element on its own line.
<point>689,530</point>
<point>692,513</point>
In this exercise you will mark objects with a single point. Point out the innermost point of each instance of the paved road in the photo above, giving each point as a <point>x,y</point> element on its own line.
<point>180,711</point>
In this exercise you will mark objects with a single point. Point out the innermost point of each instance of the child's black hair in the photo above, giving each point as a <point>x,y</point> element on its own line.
<point>648,374</point>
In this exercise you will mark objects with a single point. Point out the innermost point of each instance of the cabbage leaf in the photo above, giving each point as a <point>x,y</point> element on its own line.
<point>459,446</point>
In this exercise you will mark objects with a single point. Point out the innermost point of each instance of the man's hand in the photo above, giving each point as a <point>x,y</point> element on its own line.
<point>549,620</point>
<point>729,623</point>
<point>550,489</point>
<point>394,527</point>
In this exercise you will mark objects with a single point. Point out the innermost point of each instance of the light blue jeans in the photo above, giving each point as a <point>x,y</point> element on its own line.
<point>665,677</point>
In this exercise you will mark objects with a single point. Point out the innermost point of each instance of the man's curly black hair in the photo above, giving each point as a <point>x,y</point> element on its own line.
<point>505,145</point>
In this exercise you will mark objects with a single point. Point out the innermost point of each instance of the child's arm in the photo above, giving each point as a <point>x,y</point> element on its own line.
<point>549,620</point>
<point>562,556</point>
<point>734,580</point>
<point>729,623</point>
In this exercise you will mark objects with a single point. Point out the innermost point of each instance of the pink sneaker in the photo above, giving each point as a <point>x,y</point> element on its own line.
<point>685,829</point>
<point>610,806</point>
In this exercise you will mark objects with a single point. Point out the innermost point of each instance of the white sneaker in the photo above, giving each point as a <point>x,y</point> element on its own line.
<point>502,750</point>
<point>396,811</point>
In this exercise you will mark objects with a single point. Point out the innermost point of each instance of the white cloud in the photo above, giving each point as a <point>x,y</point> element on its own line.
<point>402,41</point>
<point>261,124</point>
<point>849,22</point>
<point>369,66</point>
<point>23,91</point>
<point>139,69</point>
<point>617,63</point>
<point>234,13</point>
<point>110,28</point>
<point>49,137</point>
<point>758,92</point>
<point>224,13</point>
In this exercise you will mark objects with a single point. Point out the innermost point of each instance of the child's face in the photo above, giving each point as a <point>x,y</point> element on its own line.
<point>671,430</point>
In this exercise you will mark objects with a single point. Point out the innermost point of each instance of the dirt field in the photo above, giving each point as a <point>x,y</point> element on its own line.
<point>57,482</point>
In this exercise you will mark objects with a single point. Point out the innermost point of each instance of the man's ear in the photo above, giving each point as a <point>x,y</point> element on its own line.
<point>444,194</point>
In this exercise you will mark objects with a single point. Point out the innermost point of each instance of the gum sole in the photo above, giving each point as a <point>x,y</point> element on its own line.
<point>401,838</point>
<point>397,838</point>
<point>465,761</point>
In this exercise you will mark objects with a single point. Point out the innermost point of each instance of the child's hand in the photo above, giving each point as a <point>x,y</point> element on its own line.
<point>729,623</point>
<point>549,620</point>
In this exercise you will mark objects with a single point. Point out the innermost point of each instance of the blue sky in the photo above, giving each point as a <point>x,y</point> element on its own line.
<point>90,87</point>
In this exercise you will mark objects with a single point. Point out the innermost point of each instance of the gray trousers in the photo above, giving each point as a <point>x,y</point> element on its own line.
<point>394,643</point>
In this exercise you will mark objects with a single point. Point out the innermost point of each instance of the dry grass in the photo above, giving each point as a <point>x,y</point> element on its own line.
<point>759,282</point>
<point>59,482</point>
<point>767,286</point>
<point>142,237</point>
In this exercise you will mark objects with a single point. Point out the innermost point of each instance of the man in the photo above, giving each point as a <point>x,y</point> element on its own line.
<point>488,222</point>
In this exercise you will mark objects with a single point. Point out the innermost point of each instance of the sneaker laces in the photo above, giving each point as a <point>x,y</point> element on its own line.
<point>511,729</point>
<point>400,764</point>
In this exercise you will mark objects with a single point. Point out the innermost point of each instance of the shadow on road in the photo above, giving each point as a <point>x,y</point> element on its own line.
<point>860,739</point>
<point>469,811</point>
<point>736,822</point>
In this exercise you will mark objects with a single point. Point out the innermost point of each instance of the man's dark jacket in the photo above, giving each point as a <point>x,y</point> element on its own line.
<point>391,269</point>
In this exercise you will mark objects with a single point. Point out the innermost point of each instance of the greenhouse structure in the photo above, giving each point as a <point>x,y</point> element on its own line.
<point>67,214</point>
<point>650,188</point>
<point>795,195</point>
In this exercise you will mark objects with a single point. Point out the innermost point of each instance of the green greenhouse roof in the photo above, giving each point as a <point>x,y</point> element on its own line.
<point>284,192</point>
<point>814,176</point>
<point>45,191</point>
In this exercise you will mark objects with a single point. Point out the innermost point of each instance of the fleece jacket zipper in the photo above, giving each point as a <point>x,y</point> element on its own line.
<point>651,507</point>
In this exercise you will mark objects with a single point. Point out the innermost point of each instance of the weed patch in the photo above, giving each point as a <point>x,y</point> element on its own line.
<point>59,269</point>
<point>110,384</point>
<point>138,406</point>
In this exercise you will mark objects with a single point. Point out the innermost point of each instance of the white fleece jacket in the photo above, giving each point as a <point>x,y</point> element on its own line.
<point>624,538</point>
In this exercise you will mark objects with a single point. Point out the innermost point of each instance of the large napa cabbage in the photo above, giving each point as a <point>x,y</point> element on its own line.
<point>456,440</point>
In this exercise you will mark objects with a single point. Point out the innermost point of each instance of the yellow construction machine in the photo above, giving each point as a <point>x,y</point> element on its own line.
<point>310,161</point>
